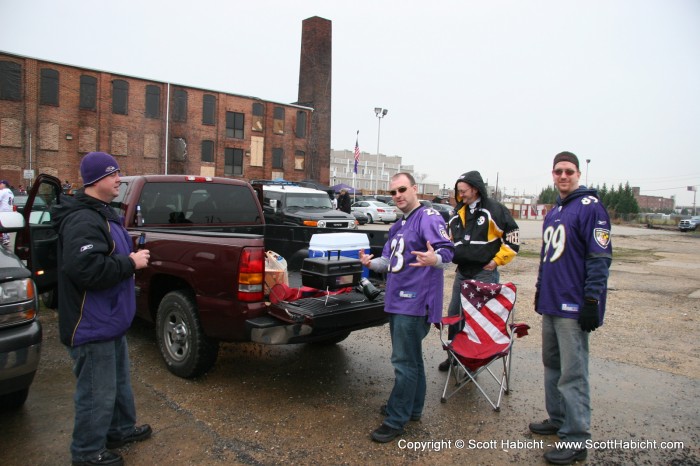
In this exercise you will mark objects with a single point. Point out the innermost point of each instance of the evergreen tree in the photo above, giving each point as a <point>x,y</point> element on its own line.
<point>548,195</point>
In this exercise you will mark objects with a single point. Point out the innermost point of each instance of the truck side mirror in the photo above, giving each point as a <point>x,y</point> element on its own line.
<point>273,204</point>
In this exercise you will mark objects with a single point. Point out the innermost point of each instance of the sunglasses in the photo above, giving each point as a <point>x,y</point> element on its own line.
<point>400,190</point>
<point>568,171</point>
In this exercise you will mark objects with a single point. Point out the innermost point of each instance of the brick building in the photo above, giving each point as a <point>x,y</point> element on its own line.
<point>653,203</point>
<point>52,114</point>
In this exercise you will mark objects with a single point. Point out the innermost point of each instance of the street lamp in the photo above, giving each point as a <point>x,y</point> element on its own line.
<point>587,162</point>
<point>380,113</point>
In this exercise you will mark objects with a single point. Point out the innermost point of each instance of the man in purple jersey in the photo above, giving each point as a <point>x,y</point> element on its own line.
<point>413,255</point>
<point>570,294</point>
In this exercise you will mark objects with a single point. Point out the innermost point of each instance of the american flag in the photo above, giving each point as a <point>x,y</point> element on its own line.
<point>357,153</point>
<point>487,307</point>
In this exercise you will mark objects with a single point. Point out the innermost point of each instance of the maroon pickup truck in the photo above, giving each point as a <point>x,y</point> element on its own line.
<point>205,282</point>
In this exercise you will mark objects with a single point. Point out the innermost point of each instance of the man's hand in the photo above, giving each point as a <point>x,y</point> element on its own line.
<point>140,258</point>
<point>366,259</point>
<point>424,259</point>
<point>588,317</point>
<point>491,265</point>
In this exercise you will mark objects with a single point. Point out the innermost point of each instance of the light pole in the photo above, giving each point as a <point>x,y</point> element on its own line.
<point>587,162</point>
<point>380,113</point>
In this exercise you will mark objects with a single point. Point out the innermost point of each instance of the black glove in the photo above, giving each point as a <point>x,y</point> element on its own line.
<point>588,317</point>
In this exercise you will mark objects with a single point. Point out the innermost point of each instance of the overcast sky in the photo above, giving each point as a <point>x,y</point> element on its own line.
<point>498,86</point>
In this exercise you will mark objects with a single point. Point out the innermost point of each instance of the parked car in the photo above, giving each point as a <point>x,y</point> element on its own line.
<point>20,331</point>
<point>445,210</point>
<point>375,210</point>
<point>689,224</point>
<point>40,211</point>
<point>361,218</point>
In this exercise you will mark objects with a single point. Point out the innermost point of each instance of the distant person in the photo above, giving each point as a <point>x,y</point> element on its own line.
<point>96,304</point>
<point>67,186</point>
<point>21,190</point>
<point>334,202</point>
<point>7,200</point>
<point>344,201</point>
<point>485,237</point>
<point>570,294</point>
<point>412,257</point>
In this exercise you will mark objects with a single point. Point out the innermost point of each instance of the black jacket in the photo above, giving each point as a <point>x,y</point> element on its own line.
<point>484,234</point>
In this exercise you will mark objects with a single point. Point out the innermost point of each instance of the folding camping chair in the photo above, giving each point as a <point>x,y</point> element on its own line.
<point>487,337</point>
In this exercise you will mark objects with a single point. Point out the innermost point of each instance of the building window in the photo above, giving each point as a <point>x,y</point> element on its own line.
<point>299,157</point>
<point>10,81</point>
<point>207,151</point>
<point>301,125</point>
<point>234,125</point>
<point>49,87</point>
<point>277,157</point>
<point>258,116</point>
<point>278,121</point>
<point>180,105</point>
<point>209,109</point>
<point>120,97</point>
<point>152,101</point>
<point>233,161</point>
<point>88,92</point>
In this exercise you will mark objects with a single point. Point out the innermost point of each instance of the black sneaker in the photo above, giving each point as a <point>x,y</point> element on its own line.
<point>383,412</point>
<point>386,434</point>
<point>138,434</point>
<point>543,428</point>
<point>105,458</point>
<point>565,455</point>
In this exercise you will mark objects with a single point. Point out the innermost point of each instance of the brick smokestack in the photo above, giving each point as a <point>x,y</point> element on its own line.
<point>315,91</point>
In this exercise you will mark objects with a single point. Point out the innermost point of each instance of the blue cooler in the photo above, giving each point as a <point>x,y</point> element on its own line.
<point>347,243</point>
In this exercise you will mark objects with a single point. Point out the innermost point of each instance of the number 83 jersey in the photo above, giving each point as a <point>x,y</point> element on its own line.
<point>576,255</point>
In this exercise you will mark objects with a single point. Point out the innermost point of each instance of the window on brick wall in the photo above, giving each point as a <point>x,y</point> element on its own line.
<point>120,97</point>
<point>207,151</point>
<point>299,157</point>
<point>10,81</point>
<point>278,121</point>
<point>301,125</point>
<point>180,105</point>
<point>49,87</point>
<point>258,116</point>
<point>234,125</point>
<point>88,92</point>
<point>152,101</point>
<point>209,110</point>
<point>277,157</point>
<point>233,161</point>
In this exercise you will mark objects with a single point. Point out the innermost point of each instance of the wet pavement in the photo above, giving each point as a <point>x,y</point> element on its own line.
<point>311,405</point>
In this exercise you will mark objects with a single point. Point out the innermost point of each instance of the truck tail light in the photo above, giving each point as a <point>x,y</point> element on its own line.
<point>251,275</point>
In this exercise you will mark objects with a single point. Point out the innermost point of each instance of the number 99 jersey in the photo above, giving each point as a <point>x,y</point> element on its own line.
<point>576,255</point>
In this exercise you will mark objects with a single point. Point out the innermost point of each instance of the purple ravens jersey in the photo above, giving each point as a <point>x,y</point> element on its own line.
<point>411,290</point>
<point>575,256</point>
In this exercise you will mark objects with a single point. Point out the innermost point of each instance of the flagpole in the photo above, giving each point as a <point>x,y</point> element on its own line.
<point>357,161</point>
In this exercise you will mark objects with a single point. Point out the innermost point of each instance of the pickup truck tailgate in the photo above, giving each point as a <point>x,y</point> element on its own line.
<point>330,312</point>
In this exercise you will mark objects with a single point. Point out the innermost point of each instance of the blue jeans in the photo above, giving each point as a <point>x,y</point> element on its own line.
<point>104,402</point>
<point>455,307</point>
<point>408,395</point>
<point>566,387</point>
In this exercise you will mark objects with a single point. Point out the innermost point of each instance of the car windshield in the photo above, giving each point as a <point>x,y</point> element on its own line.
<point>308,200</point>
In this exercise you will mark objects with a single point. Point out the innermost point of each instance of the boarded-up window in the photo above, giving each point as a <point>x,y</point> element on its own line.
<point>10,132</point>
<point>277,157</point>
<point>258,116</point>
<point>233,161</point>
<point>209,109</point>
<point>299,157</point>
<point>120,97</point>
<point>88,92</point>
<point>278,121</point>
<point>49,87</point>
<point>257,151</point>
<point>180,105</point>
<point>301,125</point>
<point>48,136</point>
<point>234,125</point>
<point>10,81</point>
<point>207,151</point>
<point>152,101</point>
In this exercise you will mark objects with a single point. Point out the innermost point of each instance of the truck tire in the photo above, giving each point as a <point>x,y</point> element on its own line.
<point>50,299</point>
<point>14,400</point>
<point>186,350</point>
<point>331,340</point>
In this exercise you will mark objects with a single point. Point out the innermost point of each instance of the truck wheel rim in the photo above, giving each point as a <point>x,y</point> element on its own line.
<point>176,337</point>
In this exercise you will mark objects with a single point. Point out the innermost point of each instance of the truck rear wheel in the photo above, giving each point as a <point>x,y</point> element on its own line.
<point>182,343</point>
